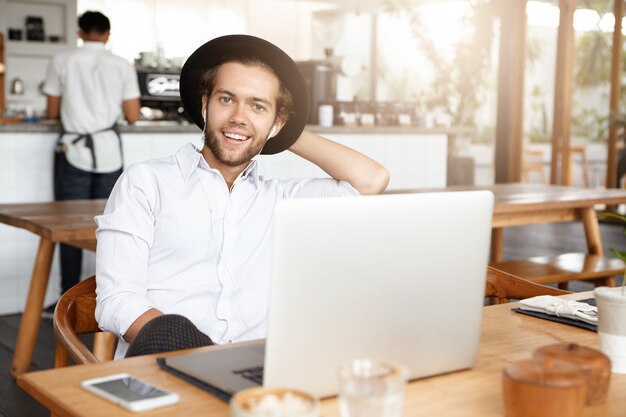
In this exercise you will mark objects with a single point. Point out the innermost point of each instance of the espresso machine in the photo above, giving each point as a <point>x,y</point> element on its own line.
<point>320,77</point>
<point>160,93</point>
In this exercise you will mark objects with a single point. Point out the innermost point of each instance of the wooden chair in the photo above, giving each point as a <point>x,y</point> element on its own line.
<point>532,161</point>
<point>580,150</point>
<point>501,287</point>
<point>75,315</point>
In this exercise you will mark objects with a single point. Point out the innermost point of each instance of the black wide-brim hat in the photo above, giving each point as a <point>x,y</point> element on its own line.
<point>231,47</point>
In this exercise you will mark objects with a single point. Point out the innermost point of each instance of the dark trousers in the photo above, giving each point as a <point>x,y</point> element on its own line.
<point>71,183</point>
<point>167,333</point>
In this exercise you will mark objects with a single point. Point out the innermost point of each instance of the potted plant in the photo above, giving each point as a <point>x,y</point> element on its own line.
<point>612,316</point>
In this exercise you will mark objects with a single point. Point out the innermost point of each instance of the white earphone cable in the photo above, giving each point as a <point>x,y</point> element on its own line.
<point>236,288</point>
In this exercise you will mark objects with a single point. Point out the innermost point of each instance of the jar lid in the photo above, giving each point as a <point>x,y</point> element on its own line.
<point>549,373</point>
<point>584,356</point>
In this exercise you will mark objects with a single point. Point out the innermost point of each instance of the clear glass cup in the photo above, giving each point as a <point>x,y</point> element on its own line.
<point>371,388</point>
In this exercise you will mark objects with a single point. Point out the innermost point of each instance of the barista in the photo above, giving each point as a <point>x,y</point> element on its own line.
<point>88,88</point>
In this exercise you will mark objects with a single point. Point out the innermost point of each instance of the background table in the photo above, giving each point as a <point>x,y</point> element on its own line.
<point>506,336</point>
<point>525,204</point>
<point>518,204</point>
<point>69,222</point>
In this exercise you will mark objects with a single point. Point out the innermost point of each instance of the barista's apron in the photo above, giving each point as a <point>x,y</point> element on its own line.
<point>99,151</point>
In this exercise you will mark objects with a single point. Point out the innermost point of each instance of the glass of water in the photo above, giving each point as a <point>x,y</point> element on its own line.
<point>371,388</point>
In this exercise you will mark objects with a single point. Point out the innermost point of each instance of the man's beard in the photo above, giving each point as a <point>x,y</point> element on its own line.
<point>212,142</point>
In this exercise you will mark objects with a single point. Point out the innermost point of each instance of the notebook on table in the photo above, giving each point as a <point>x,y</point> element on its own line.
<point>397,277</point>
<point>567,319</point>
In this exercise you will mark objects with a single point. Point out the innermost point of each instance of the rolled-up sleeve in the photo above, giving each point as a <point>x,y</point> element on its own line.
<point>131,85</point>
<point>52,83</point>
<point>125,232</point>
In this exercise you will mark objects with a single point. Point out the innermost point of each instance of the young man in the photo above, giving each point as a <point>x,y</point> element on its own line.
<point>89,89</point>
<point>184,244</point>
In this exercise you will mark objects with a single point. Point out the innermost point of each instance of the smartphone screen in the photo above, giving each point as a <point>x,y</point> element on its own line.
<point>130,389</point>
<point>130,392</point>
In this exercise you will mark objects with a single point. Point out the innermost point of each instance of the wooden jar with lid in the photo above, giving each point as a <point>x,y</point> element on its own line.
<point>543,389</point>
<point>595,365</point>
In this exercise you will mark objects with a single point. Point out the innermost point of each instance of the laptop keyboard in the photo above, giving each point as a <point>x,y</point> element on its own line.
<point>253,374</point>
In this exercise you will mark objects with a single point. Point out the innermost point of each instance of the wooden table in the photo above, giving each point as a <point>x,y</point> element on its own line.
<point>506,337</point>
<point>69,222</point>
<point>518,204</point>
<point>525,204</point>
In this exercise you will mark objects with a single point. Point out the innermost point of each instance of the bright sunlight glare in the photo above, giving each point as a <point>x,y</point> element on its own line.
<point>547,15</point>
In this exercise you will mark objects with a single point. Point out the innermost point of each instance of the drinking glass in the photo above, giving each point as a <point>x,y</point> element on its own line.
<point>371,388</point>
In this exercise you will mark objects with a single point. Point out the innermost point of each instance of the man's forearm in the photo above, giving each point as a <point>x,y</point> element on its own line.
<point>53,107</point>
<point>343,163</point>
<point>132,110</point>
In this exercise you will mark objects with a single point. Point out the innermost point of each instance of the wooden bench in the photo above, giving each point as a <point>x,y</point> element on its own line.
<point>563,268</point>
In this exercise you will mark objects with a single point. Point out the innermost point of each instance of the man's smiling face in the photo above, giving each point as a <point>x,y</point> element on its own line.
<point>241,112</point>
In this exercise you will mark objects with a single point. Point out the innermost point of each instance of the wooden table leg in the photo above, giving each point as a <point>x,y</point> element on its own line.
<point>29,326</point>
<point>496,244</point>
<point>593,237</point>
<point>592,231</point>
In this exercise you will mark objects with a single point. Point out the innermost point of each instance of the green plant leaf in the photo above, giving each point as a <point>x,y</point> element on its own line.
<point>619,254</point>
<point>612,215</point>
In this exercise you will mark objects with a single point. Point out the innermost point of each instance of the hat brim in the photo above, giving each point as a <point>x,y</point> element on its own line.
<point>226,48</point>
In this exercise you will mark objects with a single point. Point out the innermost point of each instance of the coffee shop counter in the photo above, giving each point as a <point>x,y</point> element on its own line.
<point>415,157</point>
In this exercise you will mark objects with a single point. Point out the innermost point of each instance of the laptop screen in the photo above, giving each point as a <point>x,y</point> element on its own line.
<point>394,277</point>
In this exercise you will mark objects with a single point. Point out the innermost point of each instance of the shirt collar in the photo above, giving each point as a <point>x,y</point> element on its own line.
<point>93,45</point>
<point>252,170</point>
<point>190,158</point>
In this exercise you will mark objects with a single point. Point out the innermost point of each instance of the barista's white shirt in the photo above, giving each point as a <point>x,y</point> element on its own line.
<point>173,237</point>
<point>93,83</point>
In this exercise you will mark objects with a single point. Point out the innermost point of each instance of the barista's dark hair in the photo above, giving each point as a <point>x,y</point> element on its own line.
<point>284,101</point>
<point>94,22</point>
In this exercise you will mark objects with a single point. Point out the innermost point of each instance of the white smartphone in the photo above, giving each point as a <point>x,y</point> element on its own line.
<point>130,392</point>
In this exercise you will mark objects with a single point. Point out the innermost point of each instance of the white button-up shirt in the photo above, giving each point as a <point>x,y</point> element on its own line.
<point>92,84</point>
<point>175,238</point>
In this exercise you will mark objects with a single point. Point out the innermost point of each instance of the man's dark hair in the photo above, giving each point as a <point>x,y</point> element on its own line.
<point>94,22</point>
<point>284,101</point>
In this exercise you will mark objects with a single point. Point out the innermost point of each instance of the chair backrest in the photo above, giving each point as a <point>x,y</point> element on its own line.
<point>75,315</point>
<point>502,287</point>
<point>532,160</point>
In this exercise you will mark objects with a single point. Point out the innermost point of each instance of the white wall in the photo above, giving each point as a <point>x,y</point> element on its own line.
<point>413,161</point>
<point>180,27</point>
<point>176,27</point>
<point>28,60</point>
<point>26,176</point>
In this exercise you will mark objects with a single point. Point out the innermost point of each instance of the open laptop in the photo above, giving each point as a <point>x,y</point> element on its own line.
<point>397,277</point>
